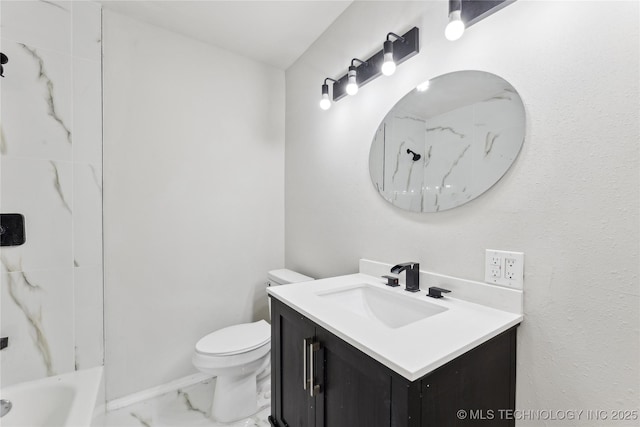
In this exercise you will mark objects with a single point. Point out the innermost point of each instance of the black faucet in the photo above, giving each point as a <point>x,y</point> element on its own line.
<point>435,292</point>
<point>413,275</point>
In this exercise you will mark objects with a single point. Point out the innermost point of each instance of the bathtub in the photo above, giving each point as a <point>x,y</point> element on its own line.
<point>61,401</point>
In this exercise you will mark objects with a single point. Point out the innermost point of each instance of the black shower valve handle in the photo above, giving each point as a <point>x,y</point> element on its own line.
<point>416,156</point>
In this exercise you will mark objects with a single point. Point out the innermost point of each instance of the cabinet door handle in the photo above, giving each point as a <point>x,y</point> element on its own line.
<point>305,343</point>
<point>313,389</point>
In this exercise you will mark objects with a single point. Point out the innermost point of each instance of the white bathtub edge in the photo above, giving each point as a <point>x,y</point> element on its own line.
<point>88,382</point>
<point>84,385</point>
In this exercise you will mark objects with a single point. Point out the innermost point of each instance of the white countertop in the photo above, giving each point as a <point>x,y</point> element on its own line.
<point>412,350</point>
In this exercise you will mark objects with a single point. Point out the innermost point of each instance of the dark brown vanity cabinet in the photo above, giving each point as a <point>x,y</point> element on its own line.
<point>319,380</point>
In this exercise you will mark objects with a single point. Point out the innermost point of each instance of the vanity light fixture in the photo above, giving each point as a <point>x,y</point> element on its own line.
<point>389,64</point>
<point>325,102</point>
<point>455,28</point>
<point>352,83</point>
<point>394,53</point>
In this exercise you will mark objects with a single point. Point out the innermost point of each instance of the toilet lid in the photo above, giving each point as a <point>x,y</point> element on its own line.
<point>235,339</point>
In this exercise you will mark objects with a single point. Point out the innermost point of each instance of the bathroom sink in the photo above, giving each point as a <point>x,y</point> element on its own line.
<point>385,307</point>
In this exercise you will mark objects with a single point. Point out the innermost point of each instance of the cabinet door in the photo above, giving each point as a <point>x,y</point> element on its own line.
<point>481,383</point>
<point>291,404</point>
<point>355,389</point>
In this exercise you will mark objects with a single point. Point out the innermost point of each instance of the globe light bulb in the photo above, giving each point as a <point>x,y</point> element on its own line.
<point>352,85</point>
<point>325,103</point>
<point>455,27</point>
<point>389,65</point>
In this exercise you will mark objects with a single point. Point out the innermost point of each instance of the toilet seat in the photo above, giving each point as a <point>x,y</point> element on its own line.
<point>234,350</point>
<point>235,340</point>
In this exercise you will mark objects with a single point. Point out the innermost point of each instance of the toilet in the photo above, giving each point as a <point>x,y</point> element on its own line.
<point>239,356</point>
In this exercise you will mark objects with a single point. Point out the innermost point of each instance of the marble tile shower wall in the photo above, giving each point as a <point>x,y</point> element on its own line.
<point>51,296</point>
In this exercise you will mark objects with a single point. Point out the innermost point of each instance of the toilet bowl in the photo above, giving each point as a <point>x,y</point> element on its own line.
<point>236,355</point>
<point>239,356</point>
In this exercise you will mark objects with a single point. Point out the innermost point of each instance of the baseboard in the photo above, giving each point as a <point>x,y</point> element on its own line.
<point>156,391</point>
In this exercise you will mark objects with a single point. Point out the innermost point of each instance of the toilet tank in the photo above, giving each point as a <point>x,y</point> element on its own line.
<point>285,277</point>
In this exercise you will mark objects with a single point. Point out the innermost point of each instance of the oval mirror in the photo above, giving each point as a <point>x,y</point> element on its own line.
<point>447,141</point>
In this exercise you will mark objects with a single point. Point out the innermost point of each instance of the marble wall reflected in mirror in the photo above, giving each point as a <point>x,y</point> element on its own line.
<point>447,141</point>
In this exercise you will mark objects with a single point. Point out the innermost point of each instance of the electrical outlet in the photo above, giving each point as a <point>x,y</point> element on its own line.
<point>504,268</point>
<point>495,271</point>
<point>510,269</point>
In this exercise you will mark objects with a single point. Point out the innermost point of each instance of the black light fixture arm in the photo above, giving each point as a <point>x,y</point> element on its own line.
<point>402,39</point>
<point>325,86</point>
<point>365,63</point>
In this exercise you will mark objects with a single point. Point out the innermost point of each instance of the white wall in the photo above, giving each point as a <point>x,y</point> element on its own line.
<point>570,201</point>
<point>51,172</point>
<point>194,197</point>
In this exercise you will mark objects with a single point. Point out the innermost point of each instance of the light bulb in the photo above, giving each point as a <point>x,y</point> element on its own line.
<point>325,102</point>
<point>388,66</point>
<point>352,85</point>
<point>455,27</point>
<point>352,88</point>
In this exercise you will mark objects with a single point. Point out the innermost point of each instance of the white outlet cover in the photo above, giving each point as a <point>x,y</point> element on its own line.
<point>512,272</point>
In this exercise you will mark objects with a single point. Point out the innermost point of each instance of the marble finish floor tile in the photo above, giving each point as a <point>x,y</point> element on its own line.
<point>185,407</point>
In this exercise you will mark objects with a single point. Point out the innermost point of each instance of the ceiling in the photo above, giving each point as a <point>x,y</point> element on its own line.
<point>273,32</point>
